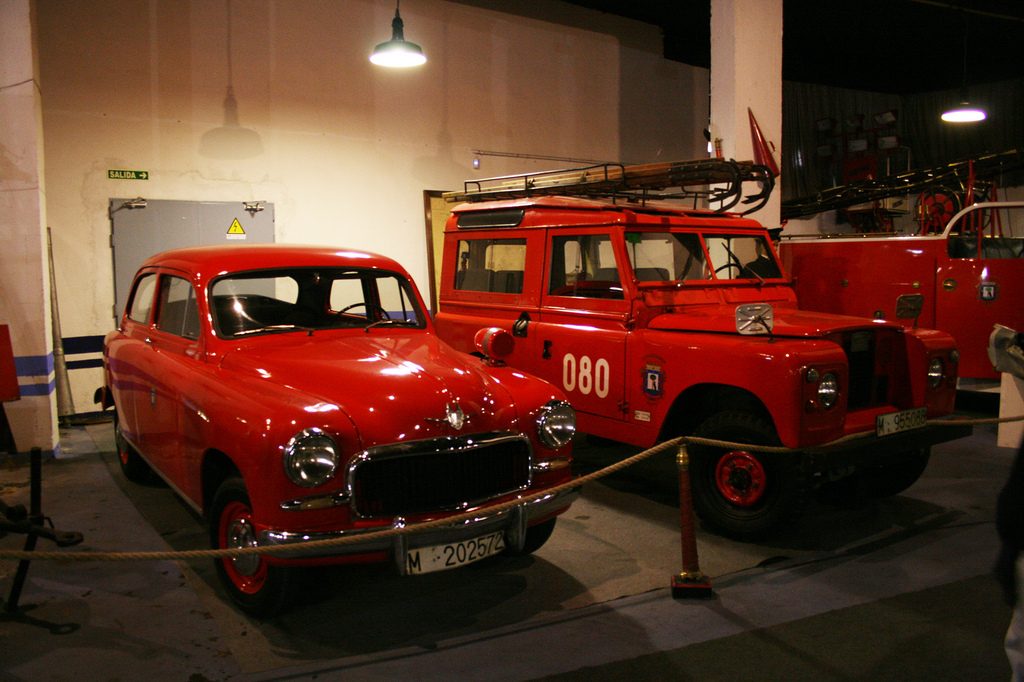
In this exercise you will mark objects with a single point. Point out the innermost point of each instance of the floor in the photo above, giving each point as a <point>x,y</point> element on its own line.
<point>897,589</point>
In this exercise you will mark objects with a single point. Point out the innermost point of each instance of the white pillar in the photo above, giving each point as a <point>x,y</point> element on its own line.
<point>24,275</point>
<point>746,72</point>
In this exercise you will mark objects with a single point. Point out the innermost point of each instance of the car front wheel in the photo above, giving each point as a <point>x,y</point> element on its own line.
<point>257,587</point>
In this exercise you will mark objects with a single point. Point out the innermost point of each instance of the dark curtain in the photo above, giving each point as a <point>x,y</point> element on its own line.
<point>813,159</point>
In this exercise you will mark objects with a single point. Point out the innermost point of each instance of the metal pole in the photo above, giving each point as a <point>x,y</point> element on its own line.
<point>35,517</point>
<point>690,583</point>
<point>65,401</point>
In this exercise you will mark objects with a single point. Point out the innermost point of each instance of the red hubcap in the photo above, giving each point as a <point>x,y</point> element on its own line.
<point>740,478</point>
<point>236,530</point>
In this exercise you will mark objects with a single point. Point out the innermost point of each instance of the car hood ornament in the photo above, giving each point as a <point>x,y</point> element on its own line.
<point>454,416</point>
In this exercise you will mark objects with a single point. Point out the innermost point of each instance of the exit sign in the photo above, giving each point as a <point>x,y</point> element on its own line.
<point>118,174</point>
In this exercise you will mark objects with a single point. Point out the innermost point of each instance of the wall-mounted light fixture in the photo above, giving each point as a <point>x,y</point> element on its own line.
<point>398,52</point>
<point>965,112</point>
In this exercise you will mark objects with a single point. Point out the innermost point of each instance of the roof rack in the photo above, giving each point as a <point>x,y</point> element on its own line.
<point>717,180</point>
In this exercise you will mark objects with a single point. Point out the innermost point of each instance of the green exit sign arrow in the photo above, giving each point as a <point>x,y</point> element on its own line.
<point>119,174</point>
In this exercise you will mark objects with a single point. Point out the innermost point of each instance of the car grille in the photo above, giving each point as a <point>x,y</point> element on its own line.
<point>872,358</point>
<point>438,475</point>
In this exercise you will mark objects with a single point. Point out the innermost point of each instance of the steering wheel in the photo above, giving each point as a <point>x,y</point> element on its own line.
<point>730,264</point>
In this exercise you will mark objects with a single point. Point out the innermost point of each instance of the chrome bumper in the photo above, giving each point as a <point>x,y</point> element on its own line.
<point>512,521</point>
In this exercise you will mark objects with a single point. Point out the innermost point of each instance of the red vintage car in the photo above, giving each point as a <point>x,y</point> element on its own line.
<point>299,393</point>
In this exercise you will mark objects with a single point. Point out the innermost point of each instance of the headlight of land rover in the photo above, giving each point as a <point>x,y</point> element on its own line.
<point>310,458</point>
<point>828,390</point>
<point>556,423</point>
<point>936,372</point>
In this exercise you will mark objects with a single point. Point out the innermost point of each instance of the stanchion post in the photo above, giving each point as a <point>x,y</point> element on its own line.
<point>690,583</point>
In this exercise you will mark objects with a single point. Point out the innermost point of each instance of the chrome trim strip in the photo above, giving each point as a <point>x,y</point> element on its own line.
<point>335,499</point>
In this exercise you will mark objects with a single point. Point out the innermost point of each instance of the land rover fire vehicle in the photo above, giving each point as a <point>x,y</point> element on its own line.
<point>659,321</point>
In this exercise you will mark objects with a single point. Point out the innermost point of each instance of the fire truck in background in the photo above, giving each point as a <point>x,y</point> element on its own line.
<point>965,258</point>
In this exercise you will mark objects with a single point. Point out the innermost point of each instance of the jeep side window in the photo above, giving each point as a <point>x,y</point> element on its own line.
<point>584,265</point>
<point>491,265</point>
<point>664,256</point>
<point>176,310</point>
<point>741,257</point>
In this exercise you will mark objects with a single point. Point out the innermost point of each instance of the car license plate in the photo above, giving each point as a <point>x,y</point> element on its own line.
<point>453,555</point>
<point>895,422</point>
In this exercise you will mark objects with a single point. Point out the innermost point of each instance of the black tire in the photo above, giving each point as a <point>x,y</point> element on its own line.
<point>257,588</point>
<point>898,473</point>
<point>536,536</point>
<point>739,492</point>
<point>134,468</point>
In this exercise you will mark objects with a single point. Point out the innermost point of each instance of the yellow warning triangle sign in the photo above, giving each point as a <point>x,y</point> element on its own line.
<point>236,227</point>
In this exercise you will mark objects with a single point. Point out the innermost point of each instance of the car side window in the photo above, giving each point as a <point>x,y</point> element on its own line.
<point>142,299</point>
<point>584,265</point>
<point>176,311</point>
<point>492,265</point>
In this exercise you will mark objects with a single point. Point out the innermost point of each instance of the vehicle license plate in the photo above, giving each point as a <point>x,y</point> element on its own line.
<point>443,557</point>
<point>895,422</point>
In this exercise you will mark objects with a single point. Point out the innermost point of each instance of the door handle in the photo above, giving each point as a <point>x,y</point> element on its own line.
<point>519,328</point>
<point>547,350</point>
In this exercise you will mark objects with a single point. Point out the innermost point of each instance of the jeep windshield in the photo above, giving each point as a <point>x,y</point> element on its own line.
<point>687,256</point>
<point>311,299</point>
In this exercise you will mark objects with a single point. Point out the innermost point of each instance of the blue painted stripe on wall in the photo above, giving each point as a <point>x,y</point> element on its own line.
<point>37,389</point>
<point>34,365</point>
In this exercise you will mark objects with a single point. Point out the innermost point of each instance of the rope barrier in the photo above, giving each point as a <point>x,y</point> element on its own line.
<point>577,482</point>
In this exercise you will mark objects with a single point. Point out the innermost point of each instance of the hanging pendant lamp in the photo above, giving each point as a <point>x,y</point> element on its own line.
<point>398,52</point>
<point>965,112</point>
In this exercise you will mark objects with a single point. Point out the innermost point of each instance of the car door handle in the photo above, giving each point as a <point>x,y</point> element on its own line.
<point>547,350</point>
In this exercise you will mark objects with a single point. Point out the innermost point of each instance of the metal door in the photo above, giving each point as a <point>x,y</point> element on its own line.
<point>143,227</point>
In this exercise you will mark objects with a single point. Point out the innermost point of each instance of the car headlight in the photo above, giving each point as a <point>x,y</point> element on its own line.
<point>310,458</point>
<point>936,372</point>
<point>828,390</point>
<point>556,423</point>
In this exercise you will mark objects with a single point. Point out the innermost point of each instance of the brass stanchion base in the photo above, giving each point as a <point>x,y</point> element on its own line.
<point>691,585</point>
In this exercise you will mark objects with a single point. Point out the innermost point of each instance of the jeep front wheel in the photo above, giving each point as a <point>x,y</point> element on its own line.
<point>738,491</point>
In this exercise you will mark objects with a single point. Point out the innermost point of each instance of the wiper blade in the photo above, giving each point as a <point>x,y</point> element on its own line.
<point>389,321</point>
<point>274,328</point>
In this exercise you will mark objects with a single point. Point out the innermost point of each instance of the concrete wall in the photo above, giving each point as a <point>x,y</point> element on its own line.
<point>345,148</point>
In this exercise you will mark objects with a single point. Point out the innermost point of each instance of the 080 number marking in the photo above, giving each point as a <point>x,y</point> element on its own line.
<point>586,375</point>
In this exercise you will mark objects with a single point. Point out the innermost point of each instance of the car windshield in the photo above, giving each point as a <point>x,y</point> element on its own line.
<point>310,299</point>
<point>679,256</point>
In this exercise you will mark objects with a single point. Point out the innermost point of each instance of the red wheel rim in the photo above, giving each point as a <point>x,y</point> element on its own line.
<point>740,478</point>
<point>236,530</point>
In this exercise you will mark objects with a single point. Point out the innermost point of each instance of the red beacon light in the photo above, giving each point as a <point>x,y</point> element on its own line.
<point>495,344</point>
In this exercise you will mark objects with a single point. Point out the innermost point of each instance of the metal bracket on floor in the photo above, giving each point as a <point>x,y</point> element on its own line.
<point>33,524</point>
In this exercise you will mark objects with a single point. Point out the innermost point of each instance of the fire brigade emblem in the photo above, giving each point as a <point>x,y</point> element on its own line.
<point>988,291</point>
<point>653,380</point>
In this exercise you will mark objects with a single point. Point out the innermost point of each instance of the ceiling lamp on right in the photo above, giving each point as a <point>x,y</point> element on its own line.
<point>965,112</point>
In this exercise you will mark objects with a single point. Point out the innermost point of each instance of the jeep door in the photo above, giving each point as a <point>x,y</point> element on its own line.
<point>581,334</point>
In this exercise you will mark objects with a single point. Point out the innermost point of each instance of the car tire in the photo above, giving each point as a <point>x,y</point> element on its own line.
<point>258,588</point>
<point>134,468</point>
<point>738,492</point>
<point>536,536</point>
<point>898,473</point>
